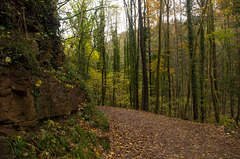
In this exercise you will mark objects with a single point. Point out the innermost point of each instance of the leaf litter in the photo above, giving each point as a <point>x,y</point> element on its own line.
<point>139,134</point>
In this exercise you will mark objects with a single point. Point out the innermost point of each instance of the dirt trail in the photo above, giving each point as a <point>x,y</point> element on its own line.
<point>138,134</point>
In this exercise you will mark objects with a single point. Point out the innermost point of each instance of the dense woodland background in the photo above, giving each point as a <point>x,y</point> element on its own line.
<point>177,58</point>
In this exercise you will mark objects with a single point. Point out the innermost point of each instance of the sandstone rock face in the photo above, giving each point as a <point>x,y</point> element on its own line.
<point>16,100</point>
<point>21,107</point>
<point>30,40</point>
<point>56,99</point>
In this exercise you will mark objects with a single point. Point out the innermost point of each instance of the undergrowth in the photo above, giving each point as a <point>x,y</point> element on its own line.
<point>96,118</point>
<point>74,138</point>
<point>228,123</point>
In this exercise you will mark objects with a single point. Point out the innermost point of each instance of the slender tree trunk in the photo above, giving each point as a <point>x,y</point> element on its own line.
<point>133,57</point>
<point>230,72</point>
<point>193,71</point>
<point>126,57</point>
<point>212,62</point>
<point>114,90</point>
<point>149,55</point>
<point>177,69</point>
<point>159,59</point>
<point>104,71</point>
<point>168,63</point>
<point>192,62</point>
<point>238,91</point>
<point>137,78</point>
<point>136,61</point>
<point>202,74</point>
<point>116,60</point>
<point>182,80</point>
<point>143,53</point>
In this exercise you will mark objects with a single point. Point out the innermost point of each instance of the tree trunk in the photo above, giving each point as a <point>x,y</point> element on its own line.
<point>143,54</point>
<point>212,62</point>
<point>193,71</point>
<point>202,74</point>
<point>103,51</point>
<point>168,64</point>
<point>116,61</point>
<point>238,91</point>
<point>149,55</point>
<point>159,60</point>
<point>177,69</point>
<point>79,27</point>
<point>181,47</point>
<point>136,62</point>
<point>133,58</point>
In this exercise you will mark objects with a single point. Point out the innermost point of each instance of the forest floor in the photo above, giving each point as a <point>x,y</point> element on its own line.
<point>138,134</point>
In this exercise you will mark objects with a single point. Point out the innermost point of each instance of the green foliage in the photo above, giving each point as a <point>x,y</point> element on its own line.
<point>121,86</point>
<point>225,121</point>
<point>224,34</point>
<point>96,118</point>
<point>22,50</point>
<point>66,140</point>
<point>2,27</point>
<point>94,83</point>
<point>68,77</point>
<point>20,148</point>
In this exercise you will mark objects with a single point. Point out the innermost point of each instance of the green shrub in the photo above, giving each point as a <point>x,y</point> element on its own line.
<point>96,118</point>
<point>55,140</point>
<point>224,121</point>
<point>22,50</point>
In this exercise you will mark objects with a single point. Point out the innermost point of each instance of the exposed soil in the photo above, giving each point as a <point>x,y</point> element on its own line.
<point>138,134</point>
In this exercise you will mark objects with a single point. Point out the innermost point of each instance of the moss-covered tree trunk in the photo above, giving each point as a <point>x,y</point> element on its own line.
<point>202,74</point>
<point>190,49</point>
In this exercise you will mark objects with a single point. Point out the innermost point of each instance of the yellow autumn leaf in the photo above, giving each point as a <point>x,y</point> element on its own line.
<point>69,86</point>
<point>8,59</point>
<point>25,154</point>
<point>97,154</point>
<point>39,82</point>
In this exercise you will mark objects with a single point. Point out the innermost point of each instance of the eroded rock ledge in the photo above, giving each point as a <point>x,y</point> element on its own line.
<point>23,104</point>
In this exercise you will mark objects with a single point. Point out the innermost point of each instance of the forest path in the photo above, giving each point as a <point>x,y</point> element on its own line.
<point>138,134</point>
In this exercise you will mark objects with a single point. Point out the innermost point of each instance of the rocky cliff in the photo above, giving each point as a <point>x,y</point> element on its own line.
<point>30,46</point>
